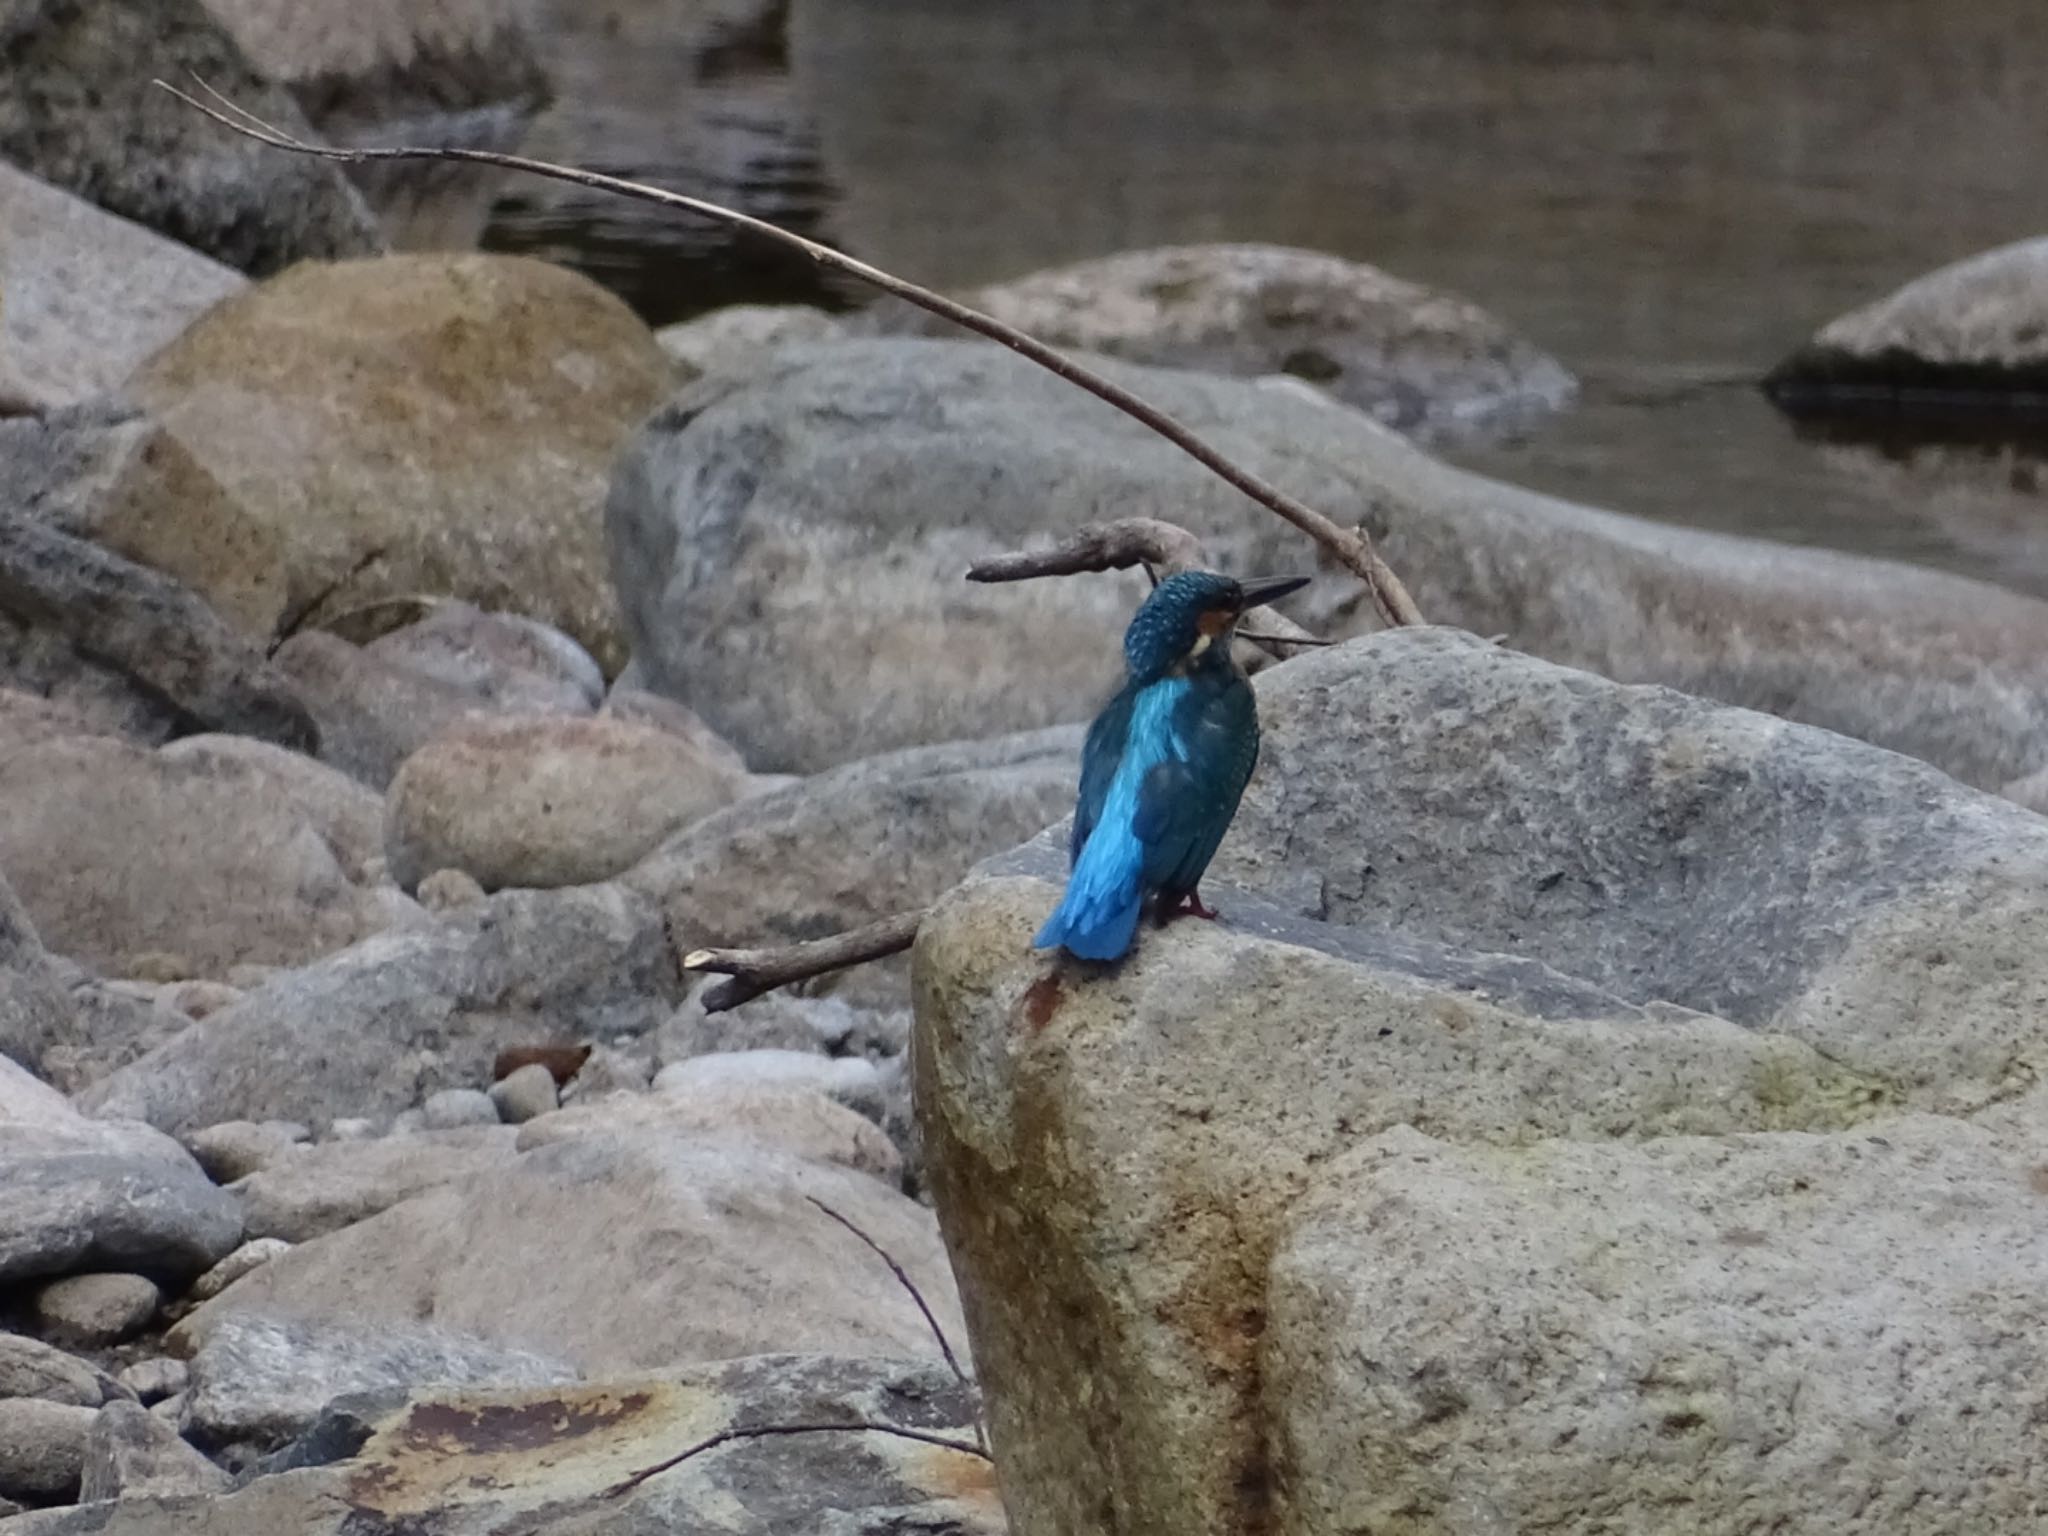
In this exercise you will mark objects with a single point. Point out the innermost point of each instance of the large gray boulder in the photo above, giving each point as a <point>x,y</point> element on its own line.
<point>85,296</point>
<point>481,1461</point>
<point>77,108</point>
<point>375,1028</point>
<point>577,1251</point>
<point>1977,326</point>
<point>789,549</point>
<point>1715,1335</point>
<point>1506,904</point>
<point>213,850</point>
<point>79,1194</point>
<point>1426,363</point>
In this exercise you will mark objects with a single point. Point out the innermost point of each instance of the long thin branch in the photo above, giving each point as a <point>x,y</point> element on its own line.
<point>1351,548</point>
<point>754,971</point>
<point>768,1431</point>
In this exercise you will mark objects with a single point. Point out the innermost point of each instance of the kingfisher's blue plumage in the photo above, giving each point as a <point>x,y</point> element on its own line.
<point>1163,767</point>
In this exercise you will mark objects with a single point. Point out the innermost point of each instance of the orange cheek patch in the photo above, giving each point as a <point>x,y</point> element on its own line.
<point>1214,621</point>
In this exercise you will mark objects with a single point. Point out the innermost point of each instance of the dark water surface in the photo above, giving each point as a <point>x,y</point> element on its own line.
<point>1668,197</point>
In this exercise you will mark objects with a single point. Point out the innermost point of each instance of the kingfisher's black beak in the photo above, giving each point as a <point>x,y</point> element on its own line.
<point>1261,590</point>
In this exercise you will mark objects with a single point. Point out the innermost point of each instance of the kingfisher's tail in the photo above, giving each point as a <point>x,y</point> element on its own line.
<point>1098,916</point>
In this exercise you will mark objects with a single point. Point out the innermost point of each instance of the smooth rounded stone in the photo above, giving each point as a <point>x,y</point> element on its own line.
<point>524,1094</point>
<point>42,1448</point>
<point>1422,361</point>
<point>130,1453</point>
<point>338,1183</point>
<point>543,801</point>
<point>360,367</point>
<point>627,1223</point>
<point>411,1011</point>
<point>1470,892</point>
<point>219,852</point>
<point>860,479</point>
<point>510,663</point>
<point>856,845</point>
<point>262,1380</point>
<point>447,890</point>
<point>89,295</point>
<point>641,707</point>
<point>245,1260</point>
<point>735,339</point>
<point>849,1080</point>
<point>95,1310</point>
<point>1976,326</point>
<point>77,107</point>
<point>31,1368</point>
<point>155,1379</point>
<point>81,1194</point>
<point>798,1121</point>
<point>452,1108</point>
<point>1544,1332</point>
<point>234,1149</point>
<point>352,1128</point>
<point>775,1021</point>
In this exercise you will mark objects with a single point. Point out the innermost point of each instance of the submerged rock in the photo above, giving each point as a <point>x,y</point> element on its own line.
<point>1976,330</point>
<point>1424,362</point>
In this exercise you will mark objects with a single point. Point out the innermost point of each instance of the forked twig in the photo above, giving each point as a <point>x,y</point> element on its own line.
<point>1351,548</point>
<point>1115,546</point>
<point>903,1279</point>
<point>754,971</point>
<point>626,1485</point>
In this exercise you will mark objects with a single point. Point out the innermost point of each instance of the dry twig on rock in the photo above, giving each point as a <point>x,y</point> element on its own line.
<point>1350,548</point>
<point>767,1431</point>
<point>754,971</point>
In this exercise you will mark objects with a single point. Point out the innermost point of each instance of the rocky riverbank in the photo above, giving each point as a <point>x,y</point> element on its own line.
<point>1612,1088</point>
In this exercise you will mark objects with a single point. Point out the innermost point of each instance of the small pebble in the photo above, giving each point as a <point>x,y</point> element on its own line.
<point>252,1255</point>
<point>447,889</point>
<point>170,1409</point>
<point>156,965</point>
<point>96,1309</point>
<point>155,1379</point>
<point>453,1107</point>
<point>248,975</point>
<point>197,999</point>
<point>354,1128</point>
<point>526,1093</point>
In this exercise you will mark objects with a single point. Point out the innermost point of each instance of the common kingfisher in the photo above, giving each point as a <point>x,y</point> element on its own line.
<point>1164,765</point>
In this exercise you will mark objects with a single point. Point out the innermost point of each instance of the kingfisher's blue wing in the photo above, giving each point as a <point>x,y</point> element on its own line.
<point>1101,754</point>
<point>1186,803</point>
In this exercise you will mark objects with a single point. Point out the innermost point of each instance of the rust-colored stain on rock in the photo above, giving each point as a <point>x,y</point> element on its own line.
<point>1043,1000</point>
<point>458,1427</point>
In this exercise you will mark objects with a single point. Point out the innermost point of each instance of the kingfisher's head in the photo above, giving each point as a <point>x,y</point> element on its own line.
<point>1192,615</point>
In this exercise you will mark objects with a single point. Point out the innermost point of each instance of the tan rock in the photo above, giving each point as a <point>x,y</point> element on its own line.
<point>221,852</point>
<point>334,1184</point>
<point>548,800</point>
<point>798,1121</point>
<point>577,1251</point>
<point>437,424</point>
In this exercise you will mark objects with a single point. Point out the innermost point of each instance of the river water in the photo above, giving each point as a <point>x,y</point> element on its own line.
<point>1667,197</point>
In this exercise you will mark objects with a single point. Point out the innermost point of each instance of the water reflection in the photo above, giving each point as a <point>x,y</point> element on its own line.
<point>1669,198</point>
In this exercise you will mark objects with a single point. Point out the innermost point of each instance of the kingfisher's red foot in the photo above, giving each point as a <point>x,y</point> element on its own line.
<point>1191,905</point>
